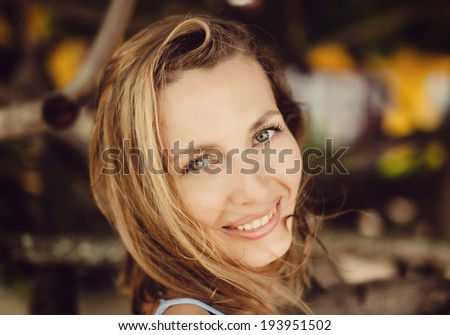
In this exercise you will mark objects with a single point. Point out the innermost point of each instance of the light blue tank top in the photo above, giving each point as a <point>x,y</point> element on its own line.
<point>165,304</point>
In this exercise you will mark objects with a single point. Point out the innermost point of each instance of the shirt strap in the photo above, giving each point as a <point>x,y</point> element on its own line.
<point>165,304</point>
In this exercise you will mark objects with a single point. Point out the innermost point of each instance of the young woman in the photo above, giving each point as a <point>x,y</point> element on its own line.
<point>195,161</point>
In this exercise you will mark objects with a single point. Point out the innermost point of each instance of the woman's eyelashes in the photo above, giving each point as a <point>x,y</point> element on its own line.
<point>199,163</point>
<point>266,134</point>
<point>203,161</point>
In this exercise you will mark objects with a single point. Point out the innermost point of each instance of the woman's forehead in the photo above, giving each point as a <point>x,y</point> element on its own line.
<point>207,104</point>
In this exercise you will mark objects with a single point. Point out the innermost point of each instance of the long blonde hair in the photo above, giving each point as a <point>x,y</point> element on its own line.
<point>145,208</point>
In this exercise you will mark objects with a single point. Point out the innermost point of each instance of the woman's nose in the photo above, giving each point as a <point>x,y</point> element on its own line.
<point>247,179</point>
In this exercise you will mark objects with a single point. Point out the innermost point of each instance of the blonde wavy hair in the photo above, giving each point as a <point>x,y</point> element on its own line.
<point>167,258</point>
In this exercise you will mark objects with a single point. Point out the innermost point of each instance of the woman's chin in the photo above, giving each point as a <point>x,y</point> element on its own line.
<point>264,258</point>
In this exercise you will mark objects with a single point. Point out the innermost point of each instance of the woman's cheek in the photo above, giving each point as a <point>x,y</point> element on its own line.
<point>199,196</point>
<point>288,157</point>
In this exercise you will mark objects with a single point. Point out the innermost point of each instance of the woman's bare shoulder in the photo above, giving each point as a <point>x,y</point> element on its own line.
<point>186,309</point>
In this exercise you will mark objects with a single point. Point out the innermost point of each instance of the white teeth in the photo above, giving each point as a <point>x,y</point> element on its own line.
<point>248,226</point>
<point>256,224</point>
<point>259,222</point>
<point>265,219</point>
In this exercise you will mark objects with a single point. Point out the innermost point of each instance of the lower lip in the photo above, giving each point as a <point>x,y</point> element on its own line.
<point>260,232</point>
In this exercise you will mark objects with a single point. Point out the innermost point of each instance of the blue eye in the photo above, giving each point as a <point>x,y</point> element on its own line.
<point>198,164</point>
<point>266,134</point>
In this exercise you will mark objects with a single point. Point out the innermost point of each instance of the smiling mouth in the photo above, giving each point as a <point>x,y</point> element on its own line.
<point>258,227</point>
<point>255,224</point>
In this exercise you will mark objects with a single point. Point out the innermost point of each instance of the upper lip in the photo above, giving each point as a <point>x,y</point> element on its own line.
<point>249,219</point>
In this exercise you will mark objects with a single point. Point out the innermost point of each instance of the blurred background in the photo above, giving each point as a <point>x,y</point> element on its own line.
<point>373,76</point>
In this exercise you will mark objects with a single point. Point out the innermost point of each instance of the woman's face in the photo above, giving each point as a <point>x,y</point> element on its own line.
<point>245,187</point>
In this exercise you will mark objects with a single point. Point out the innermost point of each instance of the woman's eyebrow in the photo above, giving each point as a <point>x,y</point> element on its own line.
<point>263,119</point>
<point>197,149</point>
